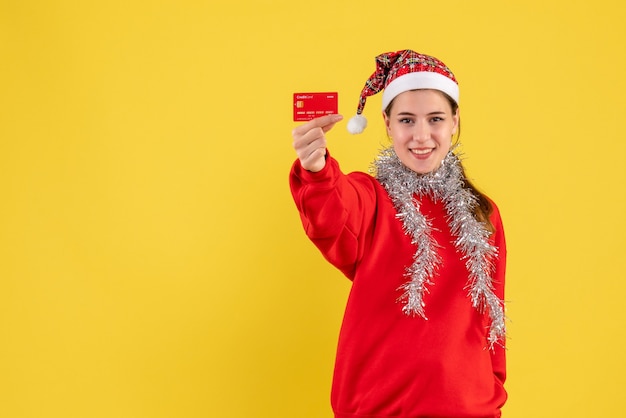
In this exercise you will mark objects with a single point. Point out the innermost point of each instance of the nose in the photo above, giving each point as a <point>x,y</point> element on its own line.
<point>421,131</point>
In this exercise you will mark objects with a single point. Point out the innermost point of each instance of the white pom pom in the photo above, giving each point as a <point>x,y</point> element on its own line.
<point>357,124</point>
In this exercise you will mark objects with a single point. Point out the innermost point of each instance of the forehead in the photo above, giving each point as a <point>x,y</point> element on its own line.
<point>426,98</point>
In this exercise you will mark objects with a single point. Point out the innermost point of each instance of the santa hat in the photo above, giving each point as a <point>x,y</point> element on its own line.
<point>397,72</point>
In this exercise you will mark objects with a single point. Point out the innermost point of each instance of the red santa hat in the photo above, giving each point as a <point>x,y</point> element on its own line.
<point>397,72</point>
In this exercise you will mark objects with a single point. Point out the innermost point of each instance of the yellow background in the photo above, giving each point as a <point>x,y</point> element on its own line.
<point>152,263</point>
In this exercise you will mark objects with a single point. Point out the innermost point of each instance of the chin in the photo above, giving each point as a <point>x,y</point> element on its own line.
<point>419,167</point>
<point>422,172</point>
<point>422,169</point>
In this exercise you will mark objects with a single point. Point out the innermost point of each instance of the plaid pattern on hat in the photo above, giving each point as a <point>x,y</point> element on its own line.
<point>397,72</point>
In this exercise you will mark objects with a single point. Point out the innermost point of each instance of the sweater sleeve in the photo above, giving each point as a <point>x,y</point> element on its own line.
<point>499,353</point>
<point>336,210</point>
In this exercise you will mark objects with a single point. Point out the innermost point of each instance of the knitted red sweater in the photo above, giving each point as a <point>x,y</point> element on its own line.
<point>389,364</point>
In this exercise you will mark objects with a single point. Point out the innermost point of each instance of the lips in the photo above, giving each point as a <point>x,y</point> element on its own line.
<point>421,153</point>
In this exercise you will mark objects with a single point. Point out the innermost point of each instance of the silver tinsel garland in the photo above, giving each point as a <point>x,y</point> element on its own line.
<point>471,236</point>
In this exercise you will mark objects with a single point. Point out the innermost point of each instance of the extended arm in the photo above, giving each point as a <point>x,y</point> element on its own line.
<point>336,209</point>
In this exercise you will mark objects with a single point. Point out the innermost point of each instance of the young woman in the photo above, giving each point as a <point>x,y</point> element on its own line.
<point>423,330</point>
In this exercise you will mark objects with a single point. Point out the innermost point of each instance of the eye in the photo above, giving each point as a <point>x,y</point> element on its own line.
<point>436,119</point>
<point>405,120</point>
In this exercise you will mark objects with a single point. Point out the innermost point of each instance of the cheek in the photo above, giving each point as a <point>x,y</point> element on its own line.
<point>396,131</point>
<point>397,147</point>
<point>398,138</point>
<point>445,147</point>
<point>445,140</point>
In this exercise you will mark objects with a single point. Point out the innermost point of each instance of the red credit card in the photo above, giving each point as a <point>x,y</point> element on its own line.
<point>307,106</point>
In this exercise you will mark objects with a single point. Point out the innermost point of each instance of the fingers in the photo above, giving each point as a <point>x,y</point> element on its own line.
<point>309,141</point>
<point>315,160</point>
<point>311,149</point>
<point>325,122</point>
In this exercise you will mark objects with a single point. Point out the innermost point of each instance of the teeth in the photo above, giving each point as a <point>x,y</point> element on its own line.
<point>420,151</point>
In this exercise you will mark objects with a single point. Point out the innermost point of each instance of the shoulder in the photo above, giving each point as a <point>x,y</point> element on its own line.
<point>496,221</point>
<point>495,211</point>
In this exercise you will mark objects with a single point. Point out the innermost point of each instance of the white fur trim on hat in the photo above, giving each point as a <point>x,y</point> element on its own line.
<point>420,80</point>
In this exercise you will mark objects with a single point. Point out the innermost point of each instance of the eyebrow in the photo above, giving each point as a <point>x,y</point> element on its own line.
<point>437,112</point>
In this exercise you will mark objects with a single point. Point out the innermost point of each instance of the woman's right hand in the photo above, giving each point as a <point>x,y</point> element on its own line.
<point>309,141</point>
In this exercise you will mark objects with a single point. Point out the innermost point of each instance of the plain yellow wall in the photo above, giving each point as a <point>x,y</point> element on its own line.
<point>152,263</point>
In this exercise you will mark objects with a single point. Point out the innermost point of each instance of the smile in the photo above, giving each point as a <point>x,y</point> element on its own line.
<point>421,151</point>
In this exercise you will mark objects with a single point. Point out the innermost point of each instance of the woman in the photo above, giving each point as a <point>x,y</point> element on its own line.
<point>423,330</point>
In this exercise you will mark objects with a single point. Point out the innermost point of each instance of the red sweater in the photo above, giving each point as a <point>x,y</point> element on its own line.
<point>389,364</point>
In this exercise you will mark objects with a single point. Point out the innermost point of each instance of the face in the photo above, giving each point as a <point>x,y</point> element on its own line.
<point>421,125</point>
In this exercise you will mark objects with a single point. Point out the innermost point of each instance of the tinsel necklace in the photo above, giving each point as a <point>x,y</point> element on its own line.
<point>444,184</point>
